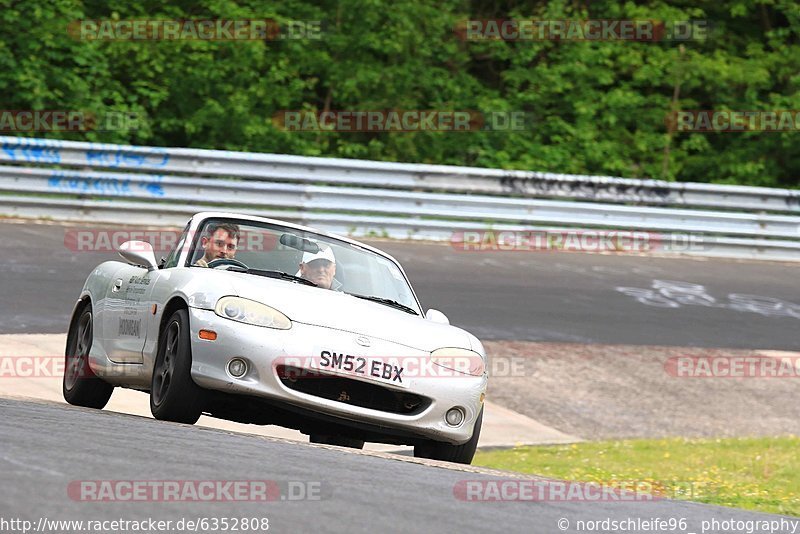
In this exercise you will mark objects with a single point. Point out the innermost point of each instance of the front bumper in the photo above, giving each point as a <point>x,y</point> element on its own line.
<point>264,348</point>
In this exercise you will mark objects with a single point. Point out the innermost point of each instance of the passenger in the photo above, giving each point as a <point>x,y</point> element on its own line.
<point>320,268</point>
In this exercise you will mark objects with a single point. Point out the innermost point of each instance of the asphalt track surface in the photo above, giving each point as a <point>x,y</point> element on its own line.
<point>532,296</point>
<point>45,447</point>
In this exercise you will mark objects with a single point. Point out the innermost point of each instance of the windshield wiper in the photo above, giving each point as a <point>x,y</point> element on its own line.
<point>387,302</point>
<point>281,275</point>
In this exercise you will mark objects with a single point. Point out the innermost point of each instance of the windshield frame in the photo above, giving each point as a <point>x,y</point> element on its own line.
<point>200,220</point>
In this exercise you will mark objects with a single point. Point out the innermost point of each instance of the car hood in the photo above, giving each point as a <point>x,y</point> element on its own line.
<point>340,311</point>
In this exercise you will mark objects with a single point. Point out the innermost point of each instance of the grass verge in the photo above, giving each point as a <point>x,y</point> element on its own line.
<point>752,473</point>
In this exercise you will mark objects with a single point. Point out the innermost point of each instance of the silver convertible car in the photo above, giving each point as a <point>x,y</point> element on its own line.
<point>264,322</point>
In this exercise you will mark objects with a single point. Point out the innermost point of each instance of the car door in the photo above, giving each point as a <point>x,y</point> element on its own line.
<point>126,313</point>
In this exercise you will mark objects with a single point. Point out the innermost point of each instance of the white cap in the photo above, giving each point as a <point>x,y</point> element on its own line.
<point>325,253</point>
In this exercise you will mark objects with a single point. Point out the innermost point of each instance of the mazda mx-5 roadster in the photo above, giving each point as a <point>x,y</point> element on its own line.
<point>265,322</point>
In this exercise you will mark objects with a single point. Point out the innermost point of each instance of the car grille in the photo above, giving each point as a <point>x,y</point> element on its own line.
<point>349,391</point>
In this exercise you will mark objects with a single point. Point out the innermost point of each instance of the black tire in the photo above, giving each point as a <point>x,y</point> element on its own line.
<point>460,454</point>
<point>341,441</point>
<point>80,386</point>
<point>173,394</point>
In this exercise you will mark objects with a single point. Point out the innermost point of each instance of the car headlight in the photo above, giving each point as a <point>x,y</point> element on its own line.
<point>251,312</point>
<point>462,360</point>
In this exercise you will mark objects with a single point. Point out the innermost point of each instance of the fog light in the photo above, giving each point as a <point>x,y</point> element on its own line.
<point>454,416</point>
<point>237,367</point>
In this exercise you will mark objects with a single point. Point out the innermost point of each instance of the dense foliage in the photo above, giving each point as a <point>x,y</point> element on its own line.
<point>597,107</point>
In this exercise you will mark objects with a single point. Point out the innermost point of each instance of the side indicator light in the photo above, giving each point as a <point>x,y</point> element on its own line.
<point>208,335</point>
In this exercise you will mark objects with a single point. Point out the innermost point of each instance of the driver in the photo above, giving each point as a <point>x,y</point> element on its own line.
<point>320,267</point>
<point>219,242</point>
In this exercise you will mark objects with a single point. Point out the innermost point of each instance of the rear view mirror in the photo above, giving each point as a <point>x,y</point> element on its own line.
<point>299,243</point>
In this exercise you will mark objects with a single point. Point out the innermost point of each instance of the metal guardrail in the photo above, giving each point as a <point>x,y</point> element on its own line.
<point>78,181</point>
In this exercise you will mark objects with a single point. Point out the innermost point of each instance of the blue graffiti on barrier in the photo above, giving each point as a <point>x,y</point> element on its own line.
<point>66,182</point>
<point>154,188</point>
<point>153,157</point>
<point>31,152</point>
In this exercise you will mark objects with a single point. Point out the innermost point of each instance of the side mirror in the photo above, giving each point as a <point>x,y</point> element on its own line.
<point>436,316</point>
<point>139,253</point>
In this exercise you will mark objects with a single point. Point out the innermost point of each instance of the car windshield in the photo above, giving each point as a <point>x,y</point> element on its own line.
<point>269,250</point>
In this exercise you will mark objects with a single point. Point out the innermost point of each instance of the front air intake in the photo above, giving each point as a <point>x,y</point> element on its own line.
<point>350,391</point>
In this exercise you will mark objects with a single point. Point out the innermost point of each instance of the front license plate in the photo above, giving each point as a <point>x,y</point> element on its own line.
<point>379,369</point>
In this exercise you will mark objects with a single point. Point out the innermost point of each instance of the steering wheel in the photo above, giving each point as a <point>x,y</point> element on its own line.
<point>222,262</point>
